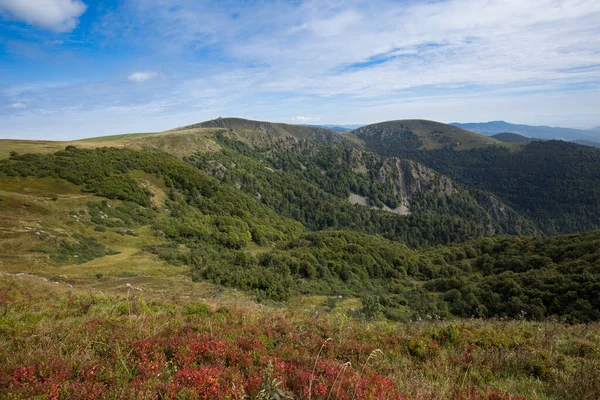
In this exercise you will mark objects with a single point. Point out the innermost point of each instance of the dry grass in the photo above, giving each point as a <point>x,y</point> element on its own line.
<point>304,356</point>
<point>179,143</point>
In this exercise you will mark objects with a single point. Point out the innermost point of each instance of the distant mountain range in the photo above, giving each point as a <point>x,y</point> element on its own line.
<point>539,132</point>
<point>587,142</point>
<point>340,128</point>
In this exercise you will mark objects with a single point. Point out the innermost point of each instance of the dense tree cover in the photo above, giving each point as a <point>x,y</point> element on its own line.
<point>329,262</point>
<point>311,184</point>
<point>523,276</point>
<point>555,183</point>
<point>516,277</point>
<point>198,203</point>
<point>214,227</point>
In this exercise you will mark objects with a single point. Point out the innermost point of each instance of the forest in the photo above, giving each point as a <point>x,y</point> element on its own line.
<point>434,263</point>
<point>554,183</point>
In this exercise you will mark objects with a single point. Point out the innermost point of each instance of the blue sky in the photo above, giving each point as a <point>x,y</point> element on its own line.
<point>81,68</point>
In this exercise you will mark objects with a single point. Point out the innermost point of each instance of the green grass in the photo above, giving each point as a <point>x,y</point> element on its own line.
<point>38,186</point>
<point>117,137</point>
<point>178,143</point>
<point>122,338</point>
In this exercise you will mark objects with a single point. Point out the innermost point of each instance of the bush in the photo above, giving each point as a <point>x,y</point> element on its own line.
<point>371,308</point>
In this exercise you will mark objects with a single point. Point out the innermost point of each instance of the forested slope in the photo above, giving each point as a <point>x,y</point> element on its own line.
<point>226,215</point>
<point>555,183</point>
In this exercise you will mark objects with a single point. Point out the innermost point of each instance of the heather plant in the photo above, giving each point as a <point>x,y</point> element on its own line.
<point>60,343</point>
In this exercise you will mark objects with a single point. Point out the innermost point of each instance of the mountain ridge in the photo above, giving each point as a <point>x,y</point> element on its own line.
<point>540,132</point>
<point>420,134</point>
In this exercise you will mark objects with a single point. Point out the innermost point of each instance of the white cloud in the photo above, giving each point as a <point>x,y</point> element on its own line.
<point>352,48</point>
<point>18,106</point>
<point>142,76</point>
<point>306,119</point>
<point>344,60</point>
<point>56,15</point>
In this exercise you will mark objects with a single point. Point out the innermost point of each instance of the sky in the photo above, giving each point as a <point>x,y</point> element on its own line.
<point>81,68</point>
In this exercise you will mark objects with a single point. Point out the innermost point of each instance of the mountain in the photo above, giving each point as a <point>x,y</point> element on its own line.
<point>318,184</point>
<point>269,130</point>
<point>555,183</point>
<point>540,132</point>
<point>587,142</point>
<point>283,212</point>
<point>277,223</point>
<point>511,137</point>
<point>413,135</point>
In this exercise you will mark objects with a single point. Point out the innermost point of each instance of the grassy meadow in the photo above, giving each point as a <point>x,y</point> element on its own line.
<point>60,341</point>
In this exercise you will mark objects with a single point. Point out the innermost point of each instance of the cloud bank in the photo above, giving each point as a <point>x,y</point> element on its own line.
<point>56,15</point>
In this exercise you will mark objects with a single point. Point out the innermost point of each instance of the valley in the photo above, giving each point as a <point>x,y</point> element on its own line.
<point>413,243</point>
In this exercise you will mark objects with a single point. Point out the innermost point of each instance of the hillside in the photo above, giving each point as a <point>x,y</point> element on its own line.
<point>419,135</point>
<point>270,129</point>
<point>165,250</point>
<point>540,132</point>
<point>179,143</point>
<point>157,207</point>
<point>554,183</point>
<point>511,137</point>
<point>317,184</point>
<point>229,217</point>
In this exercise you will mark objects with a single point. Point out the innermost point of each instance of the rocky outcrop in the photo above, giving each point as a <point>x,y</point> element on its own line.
<point>408,178</point>
<point>493,206</point>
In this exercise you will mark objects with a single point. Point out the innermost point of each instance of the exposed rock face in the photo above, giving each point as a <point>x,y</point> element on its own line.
<point>413,177</point>
<point>408,177</point>
<point>402,209</point>
<point>494,206</point>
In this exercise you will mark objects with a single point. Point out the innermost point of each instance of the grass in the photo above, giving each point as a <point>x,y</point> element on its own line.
<point>117,137</point>
<point>325,304</point>
<point>59,341</point>
<point>179,143</point>
<point>29,218</point>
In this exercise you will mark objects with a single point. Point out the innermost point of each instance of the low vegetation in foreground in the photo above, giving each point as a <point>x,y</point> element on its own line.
<point>60,343</point>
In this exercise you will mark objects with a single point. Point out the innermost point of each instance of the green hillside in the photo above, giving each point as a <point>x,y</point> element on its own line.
<point>510,137</point>
<point>270,129</point>
<point>318,185</point>
<point>192,213</point>
<point>554,183</point>
<point>416,134</point>
<point>164,251</point>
